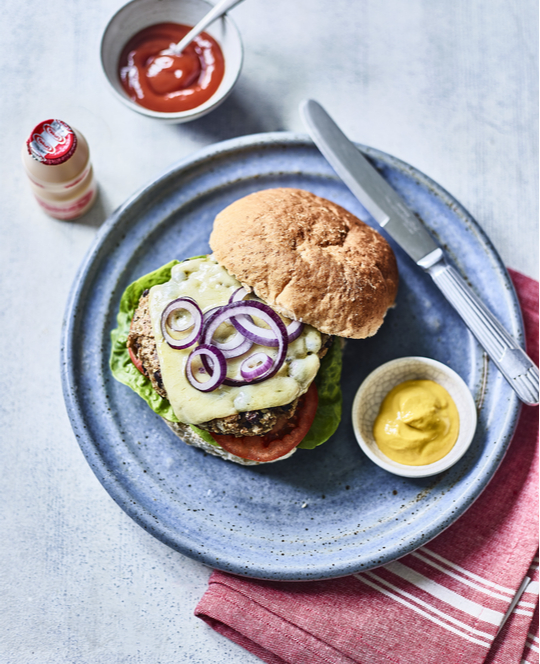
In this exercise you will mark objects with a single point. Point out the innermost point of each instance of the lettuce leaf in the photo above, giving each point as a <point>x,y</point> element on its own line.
<point>122,367</point>
<point>205,435</point>
<point>328,414</point>
<point>327,380</point>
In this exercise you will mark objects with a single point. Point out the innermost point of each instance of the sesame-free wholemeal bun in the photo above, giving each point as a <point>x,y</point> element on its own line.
<point>309,258</point>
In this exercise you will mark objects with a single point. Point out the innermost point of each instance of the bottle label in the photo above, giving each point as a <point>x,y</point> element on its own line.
<point>52,142</point>
<point>71,209</point>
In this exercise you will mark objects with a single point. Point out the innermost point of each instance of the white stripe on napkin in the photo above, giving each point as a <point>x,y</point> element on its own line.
<point>532,588</point>
<point>472,575</point>
<point>511,609</point>
<point>418,610</point>
<point>459,578</point>
<point>445,595</point>
<point>428,606</point>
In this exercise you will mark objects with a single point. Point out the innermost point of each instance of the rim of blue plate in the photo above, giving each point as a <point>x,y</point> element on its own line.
<point>114,486</point>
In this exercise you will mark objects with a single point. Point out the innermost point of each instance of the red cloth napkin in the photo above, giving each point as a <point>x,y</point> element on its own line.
<point>443,603</point>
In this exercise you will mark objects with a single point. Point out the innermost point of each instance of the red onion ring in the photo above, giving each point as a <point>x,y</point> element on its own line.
<point>214,355</point>
<point>242,348</point>
<point>193,308</point>
<point>240,293</point>
<point>255,366</point>
<point>218,368</point>
<point>262,311</point>
<point>234,347</point>
<point>209,313</point>
<point>173,325</point>
<point>261,335</point>
<point>294,330</point>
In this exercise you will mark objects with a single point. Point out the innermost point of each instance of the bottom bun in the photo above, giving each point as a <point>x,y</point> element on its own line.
<point>186,433</point>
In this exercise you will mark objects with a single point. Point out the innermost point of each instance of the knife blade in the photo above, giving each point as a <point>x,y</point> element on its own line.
<point>387,207</point>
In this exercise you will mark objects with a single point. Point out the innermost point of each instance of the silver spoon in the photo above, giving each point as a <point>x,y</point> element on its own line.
<point>217,11</point>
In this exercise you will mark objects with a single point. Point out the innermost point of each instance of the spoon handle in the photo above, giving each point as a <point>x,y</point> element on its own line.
<point>220,9</point>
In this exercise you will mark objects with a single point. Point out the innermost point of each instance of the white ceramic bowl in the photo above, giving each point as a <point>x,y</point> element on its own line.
<point>139,14</point>
<point>376,386</point>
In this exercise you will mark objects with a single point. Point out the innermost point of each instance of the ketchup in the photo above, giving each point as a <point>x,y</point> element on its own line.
<point>155,77</point>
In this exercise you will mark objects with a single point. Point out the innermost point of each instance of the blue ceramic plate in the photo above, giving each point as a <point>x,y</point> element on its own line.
<point>322,513</point>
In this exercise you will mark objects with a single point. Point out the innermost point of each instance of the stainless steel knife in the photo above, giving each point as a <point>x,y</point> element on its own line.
<point>386,206</point>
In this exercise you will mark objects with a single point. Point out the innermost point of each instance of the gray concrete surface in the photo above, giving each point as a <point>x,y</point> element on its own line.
<point>450,87</point>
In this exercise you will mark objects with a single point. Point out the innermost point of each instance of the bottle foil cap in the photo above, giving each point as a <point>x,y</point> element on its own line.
<point>52,142</point>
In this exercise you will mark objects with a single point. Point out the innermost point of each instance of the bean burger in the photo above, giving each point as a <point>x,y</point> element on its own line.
<point>239,351</point>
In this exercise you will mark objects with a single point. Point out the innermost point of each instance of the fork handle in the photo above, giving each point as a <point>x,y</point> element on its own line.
<point>512,361</point>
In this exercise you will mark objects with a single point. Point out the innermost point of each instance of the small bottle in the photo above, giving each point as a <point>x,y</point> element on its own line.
<point>57,161</point>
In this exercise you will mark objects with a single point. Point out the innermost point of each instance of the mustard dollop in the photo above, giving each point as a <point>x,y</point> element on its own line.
<point>417,424</point>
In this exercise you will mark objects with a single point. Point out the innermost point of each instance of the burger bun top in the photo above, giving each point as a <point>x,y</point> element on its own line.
<point>309,258</point>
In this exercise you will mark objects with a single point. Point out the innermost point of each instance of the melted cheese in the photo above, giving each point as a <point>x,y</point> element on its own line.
<point>207,282</point>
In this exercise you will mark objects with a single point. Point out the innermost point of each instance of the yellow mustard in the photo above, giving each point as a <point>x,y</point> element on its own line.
<point>417,424</point>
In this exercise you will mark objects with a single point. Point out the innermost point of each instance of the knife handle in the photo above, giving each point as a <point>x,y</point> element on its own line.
<point>515,365</point>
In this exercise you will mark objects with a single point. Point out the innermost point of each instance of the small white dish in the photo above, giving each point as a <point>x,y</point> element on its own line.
<point>376,386</point>
<point>140,14</point>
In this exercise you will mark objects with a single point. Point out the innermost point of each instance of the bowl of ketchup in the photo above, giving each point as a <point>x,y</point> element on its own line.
<point>148,76</point>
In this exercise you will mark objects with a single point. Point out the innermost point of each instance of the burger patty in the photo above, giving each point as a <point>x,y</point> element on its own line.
<point>252,422</point>
<point>142,343</point>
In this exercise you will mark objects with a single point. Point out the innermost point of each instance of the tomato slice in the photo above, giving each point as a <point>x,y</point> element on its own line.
<point>136,361</point>
<point>134,358</point>
<point>286,434</point>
